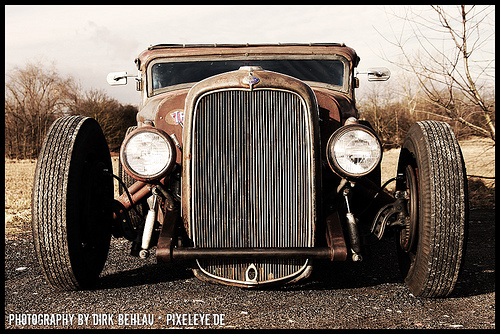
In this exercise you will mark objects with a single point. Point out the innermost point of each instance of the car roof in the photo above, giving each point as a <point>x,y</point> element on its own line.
<point>221,50</point>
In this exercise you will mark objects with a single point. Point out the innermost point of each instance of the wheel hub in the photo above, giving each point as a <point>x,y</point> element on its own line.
<point>408,234</point>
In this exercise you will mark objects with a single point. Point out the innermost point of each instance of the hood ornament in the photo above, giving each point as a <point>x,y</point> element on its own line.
<point>250,79</point>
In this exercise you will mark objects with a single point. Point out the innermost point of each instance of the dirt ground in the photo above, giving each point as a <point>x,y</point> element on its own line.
<point>338,295</point>
<point>479,157</point>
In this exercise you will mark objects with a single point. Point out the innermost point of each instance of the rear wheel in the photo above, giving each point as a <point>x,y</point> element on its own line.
<point>71,203</point>
<point>431,247</point>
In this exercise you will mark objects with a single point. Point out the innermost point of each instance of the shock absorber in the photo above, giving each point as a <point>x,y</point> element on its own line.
<point>149,225</point>
<point>352,228</point>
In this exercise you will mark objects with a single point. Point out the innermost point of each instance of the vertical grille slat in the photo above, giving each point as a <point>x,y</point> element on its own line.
<point>252,176</point>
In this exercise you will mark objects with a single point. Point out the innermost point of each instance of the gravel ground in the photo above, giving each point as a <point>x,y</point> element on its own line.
<point>135,293</point>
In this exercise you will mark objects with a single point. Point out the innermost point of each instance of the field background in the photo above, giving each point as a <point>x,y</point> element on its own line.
<point>479,155</point>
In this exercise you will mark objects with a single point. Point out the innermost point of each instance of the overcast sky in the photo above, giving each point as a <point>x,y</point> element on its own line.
<point>87,42</point>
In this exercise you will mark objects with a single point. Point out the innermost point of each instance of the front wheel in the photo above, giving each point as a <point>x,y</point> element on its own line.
<point>431,247</point>
<point>71,203</point>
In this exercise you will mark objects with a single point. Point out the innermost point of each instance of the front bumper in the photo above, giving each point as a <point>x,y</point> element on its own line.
<point>186,253</point>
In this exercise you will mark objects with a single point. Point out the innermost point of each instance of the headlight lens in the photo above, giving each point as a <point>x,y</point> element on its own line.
<point>354,151</point>
<point>147,153</point>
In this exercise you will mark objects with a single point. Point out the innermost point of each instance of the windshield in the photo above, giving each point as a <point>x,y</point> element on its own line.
<point>329,71</point>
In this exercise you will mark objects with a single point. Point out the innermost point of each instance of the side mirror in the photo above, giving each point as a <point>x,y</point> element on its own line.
<point>378,74</point>
<point>117,78</point>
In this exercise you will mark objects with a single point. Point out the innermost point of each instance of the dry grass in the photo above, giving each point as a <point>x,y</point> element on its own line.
<point>479,157</point>
<point>18,185</point>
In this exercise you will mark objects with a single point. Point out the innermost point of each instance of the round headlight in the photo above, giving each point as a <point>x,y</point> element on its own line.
<point>147,153</point>
<point>354,151</point>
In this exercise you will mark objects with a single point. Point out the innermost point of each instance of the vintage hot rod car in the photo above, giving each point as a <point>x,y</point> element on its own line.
<point>251,162</point>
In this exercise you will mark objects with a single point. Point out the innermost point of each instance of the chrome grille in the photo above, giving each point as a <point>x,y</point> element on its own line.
<point>252,170</point>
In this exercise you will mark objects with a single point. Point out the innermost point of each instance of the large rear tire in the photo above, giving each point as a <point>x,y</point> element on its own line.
<point>431,247</point>
<point>71,203</point>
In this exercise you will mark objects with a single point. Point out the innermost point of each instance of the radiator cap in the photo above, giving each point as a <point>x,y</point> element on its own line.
<point>250,68</point>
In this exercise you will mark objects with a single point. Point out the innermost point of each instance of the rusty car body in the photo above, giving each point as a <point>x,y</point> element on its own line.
<point>251,162</point>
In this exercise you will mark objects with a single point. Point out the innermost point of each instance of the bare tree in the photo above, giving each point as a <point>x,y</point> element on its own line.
<point>391,108</point>
<point>452,62</point>
<point>113,117</point>
<point>34,97</point>
<point>376,107</point>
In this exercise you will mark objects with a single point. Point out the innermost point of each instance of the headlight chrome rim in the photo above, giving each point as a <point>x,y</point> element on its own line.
<point>161,172</point>
<point>333,160</point>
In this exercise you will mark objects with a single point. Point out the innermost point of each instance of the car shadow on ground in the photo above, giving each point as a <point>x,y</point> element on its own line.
<point>379,266</point>
<point>144,275</point>
<point>478,272</point>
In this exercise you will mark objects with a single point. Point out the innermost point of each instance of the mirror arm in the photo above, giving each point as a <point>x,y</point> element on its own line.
<point>377,74</point>
<point>127,76</point>
<point>120,78</point>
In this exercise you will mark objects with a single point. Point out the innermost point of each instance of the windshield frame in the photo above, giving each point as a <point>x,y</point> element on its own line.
<point>153,92</point>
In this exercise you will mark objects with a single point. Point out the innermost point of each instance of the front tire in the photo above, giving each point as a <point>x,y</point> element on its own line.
<point>71,203</point>
<point>431,247</point>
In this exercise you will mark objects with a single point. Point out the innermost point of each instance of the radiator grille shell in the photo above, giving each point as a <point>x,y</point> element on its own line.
<point>252,178</point>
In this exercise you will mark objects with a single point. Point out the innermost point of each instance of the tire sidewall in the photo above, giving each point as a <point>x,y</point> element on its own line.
<point>414,146</point>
